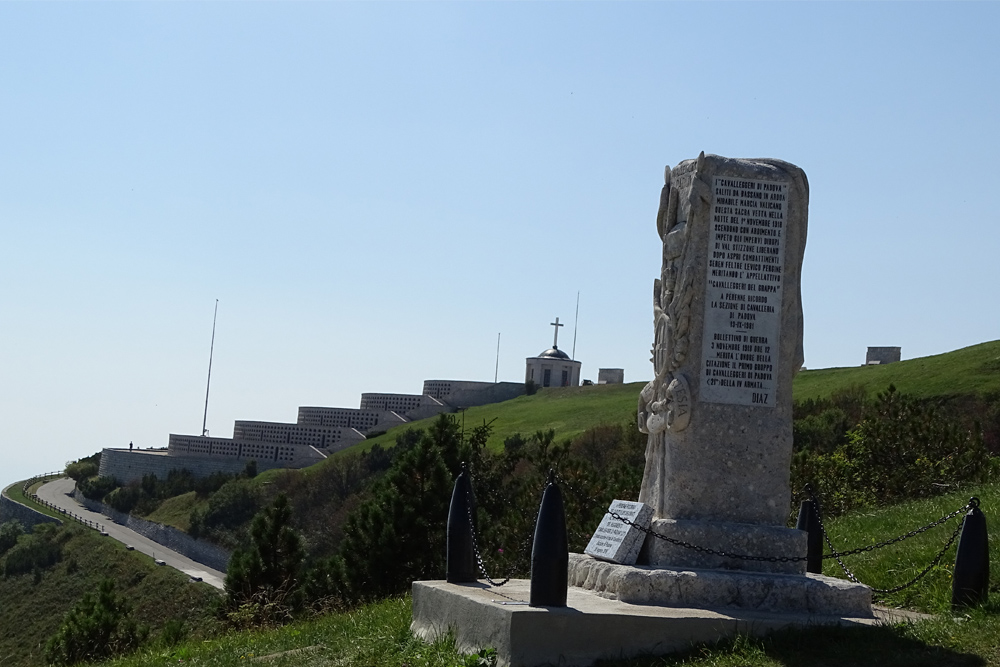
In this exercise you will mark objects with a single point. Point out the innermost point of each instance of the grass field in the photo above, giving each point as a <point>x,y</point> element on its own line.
<point>378,634</point>
<point>972,370</point>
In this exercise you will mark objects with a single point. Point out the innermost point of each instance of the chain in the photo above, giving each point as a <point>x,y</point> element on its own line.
<point>707,550</point>
<point>833,552</point>
<point>475,543</point>
<point>973,502</point>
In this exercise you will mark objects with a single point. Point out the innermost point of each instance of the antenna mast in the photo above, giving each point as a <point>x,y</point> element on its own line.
<point>576,321</point>
<point>496,373</point>
<point>211,352</point>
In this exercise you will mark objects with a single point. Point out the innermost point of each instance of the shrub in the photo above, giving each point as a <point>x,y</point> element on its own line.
<point>9,532</point>
<point>97,627</point>
<point>263,582</point>
<point>39,550</point>
<point>95,488</point>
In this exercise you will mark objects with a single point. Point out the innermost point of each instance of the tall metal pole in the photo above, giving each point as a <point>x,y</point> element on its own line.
<point>208,385</point>
<point>496,373</point>
<point>576,321</point>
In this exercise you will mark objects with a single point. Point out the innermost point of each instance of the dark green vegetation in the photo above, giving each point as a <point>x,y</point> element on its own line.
<point>50,570</point>
<point>98,626</point>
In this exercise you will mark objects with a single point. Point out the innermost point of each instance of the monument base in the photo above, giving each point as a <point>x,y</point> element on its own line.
<point>735,538</point>
<point>715,589</point>
<point>588,629</point>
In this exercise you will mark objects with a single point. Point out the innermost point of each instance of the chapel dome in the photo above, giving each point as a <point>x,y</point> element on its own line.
<point>554,353</point>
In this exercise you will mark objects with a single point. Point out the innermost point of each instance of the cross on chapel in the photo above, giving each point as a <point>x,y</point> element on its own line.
<point>555,339</point>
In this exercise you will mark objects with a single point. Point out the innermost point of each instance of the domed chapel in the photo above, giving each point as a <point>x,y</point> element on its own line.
<point>553,367</point>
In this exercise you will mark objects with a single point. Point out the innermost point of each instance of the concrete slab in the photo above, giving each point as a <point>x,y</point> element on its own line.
<point>589,628</point>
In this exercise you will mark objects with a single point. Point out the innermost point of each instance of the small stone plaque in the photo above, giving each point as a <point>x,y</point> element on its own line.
<point>616,541</point>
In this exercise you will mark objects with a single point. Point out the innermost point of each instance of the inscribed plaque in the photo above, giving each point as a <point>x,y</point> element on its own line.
<point>616,541</point>
<point>743,292</point>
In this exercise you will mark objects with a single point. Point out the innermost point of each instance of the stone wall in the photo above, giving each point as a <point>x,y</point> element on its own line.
<point>29,518</point>
<point>130,465</point>
<point>199,551</point>
<point>491,393</point>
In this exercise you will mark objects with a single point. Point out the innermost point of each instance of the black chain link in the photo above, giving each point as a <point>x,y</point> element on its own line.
<point>838,555</point>
<point>475,543</point>
<point>707,550</point>
<point>973,502</point>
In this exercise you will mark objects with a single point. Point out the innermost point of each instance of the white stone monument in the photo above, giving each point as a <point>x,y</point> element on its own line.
<point>728,341</point>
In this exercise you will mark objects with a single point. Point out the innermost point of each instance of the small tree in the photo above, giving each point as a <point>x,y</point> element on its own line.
<point>97,627</point>
<point>9,532</point>
<point>263,582</point>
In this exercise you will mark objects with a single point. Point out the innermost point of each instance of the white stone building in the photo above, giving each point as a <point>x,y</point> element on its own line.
<point>553,367</point>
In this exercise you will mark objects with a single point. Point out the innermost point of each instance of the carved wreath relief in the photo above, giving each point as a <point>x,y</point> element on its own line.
<point>665,403</point>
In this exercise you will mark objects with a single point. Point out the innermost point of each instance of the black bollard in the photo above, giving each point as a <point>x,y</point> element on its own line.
<point>550,551</point>
<point>461,549</point>
<point>971,580</point>
<point>809,522</point>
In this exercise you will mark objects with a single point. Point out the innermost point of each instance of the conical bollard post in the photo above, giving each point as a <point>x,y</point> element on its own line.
<point>550,551</point>
<point>809,522</point>
<point>971,581</point>
<point>461,549</point>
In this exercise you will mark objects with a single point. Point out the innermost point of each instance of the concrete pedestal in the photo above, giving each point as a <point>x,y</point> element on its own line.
<point>726,537</point>
<point>589,628</point>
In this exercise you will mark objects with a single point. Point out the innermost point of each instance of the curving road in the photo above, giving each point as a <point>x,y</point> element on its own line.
<point>57,493</point>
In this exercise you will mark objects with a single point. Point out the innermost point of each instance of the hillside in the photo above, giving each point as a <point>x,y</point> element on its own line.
<point>970,371</point>
<point>34,603</point>
<point>570,411</point>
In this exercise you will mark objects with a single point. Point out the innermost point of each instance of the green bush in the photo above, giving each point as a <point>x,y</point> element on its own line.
<point>233,505</point>
<point>902,449</point>
<point>81,470</point>
<point>97,627</point>
<point>39,550</point>
<point>10,531</point>
<point>263,584</point>
<point>96,488</point>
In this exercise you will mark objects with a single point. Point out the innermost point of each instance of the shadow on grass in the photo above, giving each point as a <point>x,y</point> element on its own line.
<point>829,646</point>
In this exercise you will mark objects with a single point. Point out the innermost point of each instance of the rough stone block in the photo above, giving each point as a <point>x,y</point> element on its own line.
<point>617,541</point>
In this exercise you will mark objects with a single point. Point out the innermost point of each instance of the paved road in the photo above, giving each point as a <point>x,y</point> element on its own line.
<point>57,493</point>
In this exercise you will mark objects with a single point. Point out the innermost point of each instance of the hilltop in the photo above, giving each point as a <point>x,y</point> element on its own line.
<point>970,371</point>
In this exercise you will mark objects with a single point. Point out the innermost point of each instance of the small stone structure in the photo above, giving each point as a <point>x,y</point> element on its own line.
<point>617,542</point>
<point>553,367</point>
<point>882,355</point>
<point>611,376</point>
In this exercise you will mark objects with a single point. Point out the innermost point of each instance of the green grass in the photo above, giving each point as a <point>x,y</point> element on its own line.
<point>31,611</point>
<point>972,370</point>
<point>568,410</point>
<point>176,511</point>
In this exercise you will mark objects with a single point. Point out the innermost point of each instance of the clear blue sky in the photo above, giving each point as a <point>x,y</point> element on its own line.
<point>374,190</point>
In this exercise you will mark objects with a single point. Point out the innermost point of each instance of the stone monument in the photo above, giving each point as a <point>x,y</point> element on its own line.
<point>728,340</point>
<point>727,316</point>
